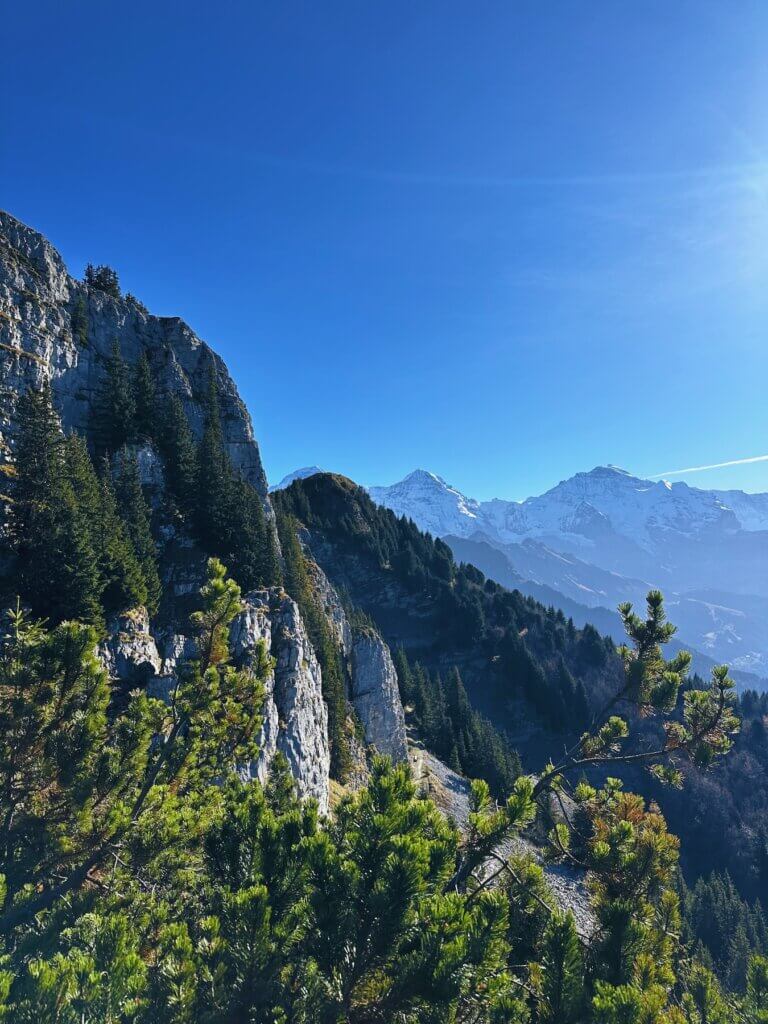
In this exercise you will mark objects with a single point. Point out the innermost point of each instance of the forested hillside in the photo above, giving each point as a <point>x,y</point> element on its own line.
<point>517,664</point>
<point>510,649</point>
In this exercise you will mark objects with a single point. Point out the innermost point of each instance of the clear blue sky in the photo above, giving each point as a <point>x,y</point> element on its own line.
<point>505,241</point>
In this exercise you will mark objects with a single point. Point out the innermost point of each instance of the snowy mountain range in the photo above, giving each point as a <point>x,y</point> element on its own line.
<point>606,536</point>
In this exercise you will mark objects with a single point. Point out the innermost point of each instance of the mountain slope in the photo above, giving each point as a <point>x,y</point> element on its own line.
<point>522,664</point>
<point>297,474</point>
<point>40,340</point>
<point>605,537</point>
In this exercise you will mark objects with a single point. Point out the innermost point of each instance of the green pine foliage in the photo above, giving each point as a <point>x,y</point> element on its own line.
<point>453,730</point>
<point>146,881</point>
<point>121,570</point>
<point>136,515</point>
<point>177,446</point>
<point>103,279</point>
<point>79,320</point>
<point>228,511</point>
<point>299,586</point>
<point>562,972</point>
<point>78,555</point>
<point>145,400</point>
<point>57,569</point>
<point>725,929</point>
<point>121,582</point>
<point>114,406</point>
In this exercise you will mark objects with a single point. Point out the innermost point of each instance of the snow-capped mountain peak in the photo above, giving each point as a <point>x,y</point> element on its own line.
<point>585,510</point>
<point>605,536</point>
<point>297,474</point>
<point>431,502</point>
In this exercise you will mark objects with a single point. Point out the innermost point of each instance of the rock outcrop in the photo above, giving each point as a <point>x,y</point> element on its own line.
<point>130,651</point>
<point>373,690</point>
<point>40,341</point>
<point>58,330</point>
<point>375,695</point>
<point>295,717</point>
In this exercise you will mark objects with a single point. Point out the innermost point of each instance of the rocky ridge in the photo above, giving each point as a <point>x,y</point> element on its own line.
<point>41,342</point>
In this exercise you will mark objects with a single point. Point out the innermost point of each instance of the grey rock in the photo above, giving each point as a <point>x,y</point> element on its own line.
<point>295,718</point>
<point>130,652</point>
<point>375,696</point>
<point>37,344</point>
<point>332,607</point>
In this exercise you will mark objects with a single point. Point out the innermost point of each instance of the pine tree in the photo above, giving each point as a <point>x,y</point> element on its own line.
<point>404,677</point>
<point>103,278</point>
<point>113,417</point>
<point>563,971</point>
<point>457,701</point>
<point>179,456</point>
<point>79,320</point>
<point>757,990</point>
<point>124,582</point>
<point>136,515</point>
<point>215,492</point>
<point>121,582</point>
<point>57,566</point>
<point>229,514</point>
<point>145,396</point>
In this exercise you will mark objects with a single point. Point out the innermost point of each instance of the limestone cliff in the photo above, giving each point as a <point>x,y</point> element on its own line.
<point>58,330</point>
<point>375,695</point>
<point>373,688</point>
<point>295,720</point>
<point>38,298</point>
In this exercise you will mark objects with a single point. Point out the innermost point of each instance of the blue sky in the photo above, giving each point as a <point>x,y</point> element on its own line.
<point>505,241</point>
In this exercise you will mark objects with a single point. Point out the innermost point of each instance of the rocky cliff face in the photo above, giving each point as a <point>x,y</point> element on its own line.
<point>375,696</point>
<point>37,343</point>
<point>45,339</point>
<point>295,716</point>
<point>373,688</point>
<point>295,720</point>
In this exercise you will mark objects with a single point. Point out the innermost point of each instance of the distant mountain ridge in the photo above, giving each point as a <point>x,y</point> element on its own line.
<point>297,474</point>
<point>606,536</point>
<point>606,497</point>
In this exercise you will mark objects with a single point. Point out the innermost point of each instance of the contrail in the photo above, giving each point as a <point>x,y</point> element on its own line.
<point>716,465</point>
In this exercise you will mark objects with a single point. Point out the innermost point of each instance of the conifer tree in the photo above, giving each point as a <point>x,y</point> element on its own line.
<point>114,407</point>
<point>179,456</point>
<point>103,278</point>
<point>121,583</point>
<point>123,576</point>
<point>79,320</point>
<point>756,1003</point>
<point>57,565</point>
<point>229,513</point>
<point>457,701</point>
<point>136,515</point>
<point>77,784</point>
<point>562,971</point>
<point>145,397</point>
<point>215,495</point>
